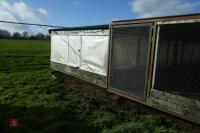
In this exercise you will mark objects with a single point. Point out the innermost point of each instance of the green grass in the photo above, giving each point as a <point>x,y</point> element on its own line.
<point>21,56</point>
<point>30,94</point>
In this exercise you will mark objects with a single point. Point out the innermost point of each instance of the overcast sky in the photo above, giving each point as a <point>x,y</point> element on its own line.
<point>87,12</point>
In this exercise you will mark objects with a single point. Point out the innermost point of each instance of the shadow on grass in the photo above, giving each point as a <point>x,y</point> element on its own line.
<point>41,119</point>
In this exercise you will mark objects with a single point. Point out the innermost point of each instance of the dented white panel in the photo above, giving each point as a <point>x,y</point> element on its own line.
<point>94,54</point>
<point>59,49</point>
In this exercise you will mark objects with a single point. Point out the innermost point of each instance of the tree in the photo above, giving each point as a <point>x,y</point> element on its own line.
<point>25,35</point>
<point>16,35</point>
<point>32,37</point>
<point>39,36</point>
<point>4,34</point>
<point>47,37</point>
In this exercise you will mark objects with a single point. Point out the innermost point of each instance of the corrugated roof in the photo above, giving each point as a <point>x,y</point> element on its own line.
<point>93,27</point>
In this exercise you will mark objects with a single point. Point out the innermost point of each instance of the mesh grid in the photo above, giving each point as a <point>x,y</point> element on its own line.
<point>129,59</point>
<point>178,60</point>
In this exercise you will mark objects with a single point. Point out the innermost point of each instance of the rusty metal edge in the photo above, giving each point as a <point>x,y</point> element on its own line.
<point>162,19</point>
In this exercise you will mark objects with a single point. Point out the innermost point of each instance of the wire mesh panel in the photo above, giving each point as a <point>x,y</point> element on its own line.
<point>128,59</point>
<point>178,60</point>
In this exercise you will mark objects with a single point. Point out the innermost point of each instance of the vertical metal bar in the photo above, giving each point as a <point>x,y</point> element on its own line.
<point>109,56</point>
<point>150,60</point>
<point>155,58</point>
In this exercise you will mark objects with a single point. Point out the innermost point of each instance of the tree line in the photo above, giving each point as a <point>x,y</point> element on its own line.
<point>4,34</point>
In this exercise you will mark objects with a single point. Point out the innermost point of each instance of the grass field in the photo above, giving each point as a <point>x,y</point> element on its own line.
<point>31,95</point>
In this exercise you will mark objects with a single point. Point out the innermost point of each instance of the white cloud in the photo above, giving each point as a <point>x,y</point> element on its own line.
<point>153,8</point>
<point>19,12</point>
<point>43,11</point>
<point>11,27</point>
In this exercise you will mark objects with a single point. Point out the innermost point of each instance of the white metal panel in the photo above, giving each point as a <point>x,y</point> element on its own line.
<point>74,51</point>
<point>59,49</point>
<point>94,54</point>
